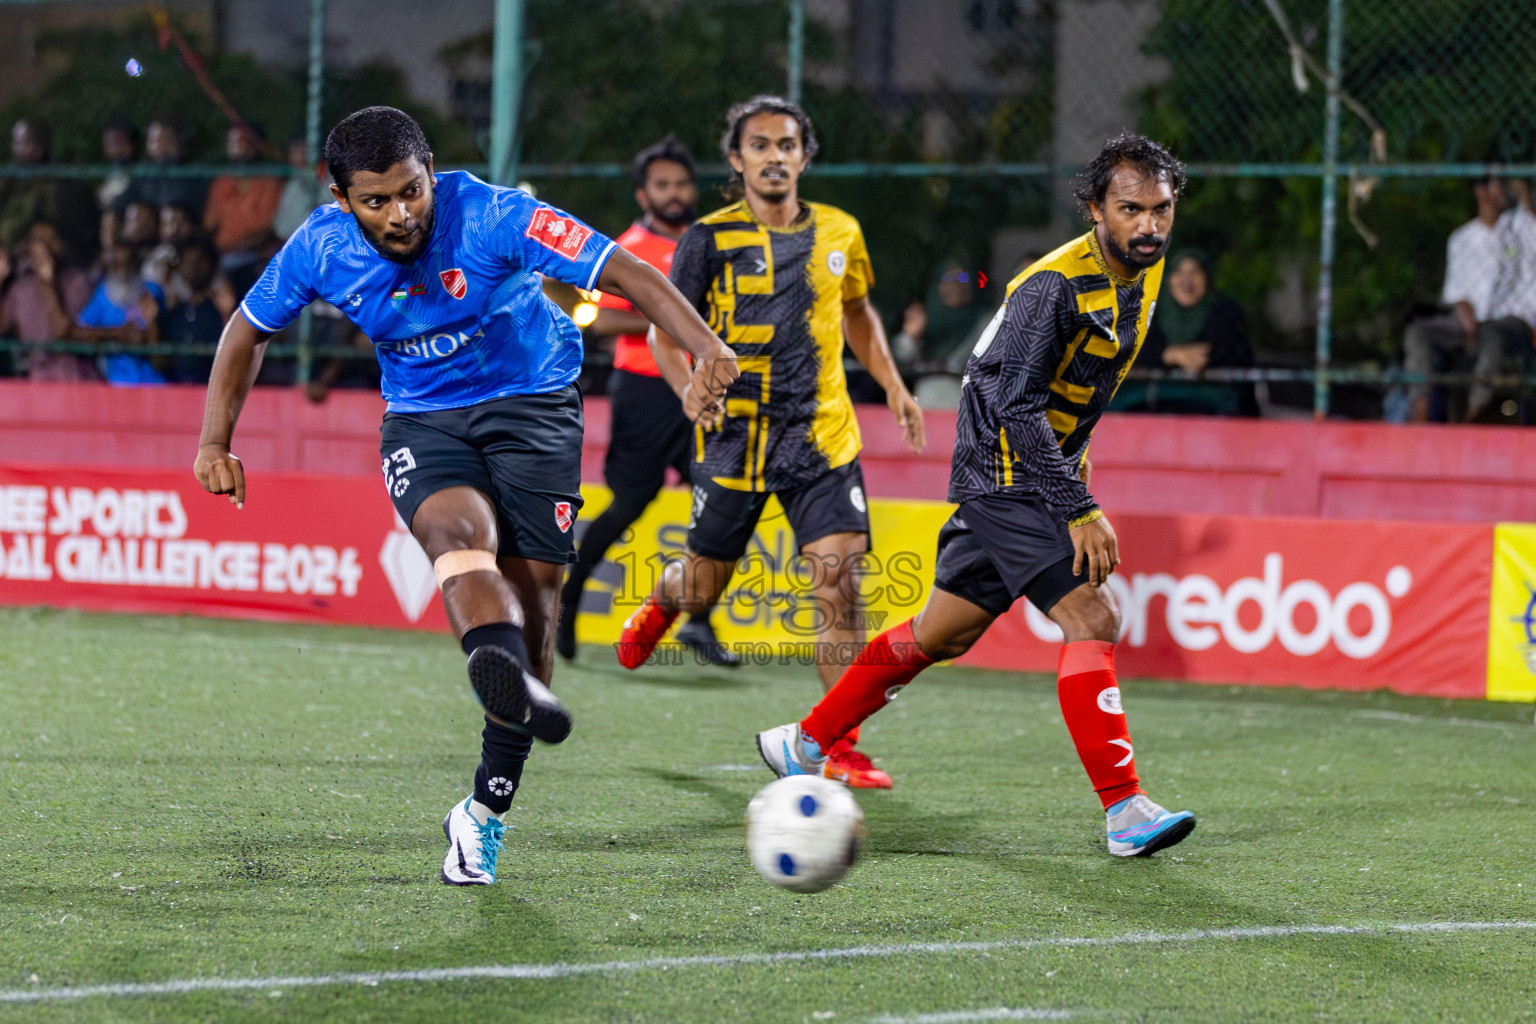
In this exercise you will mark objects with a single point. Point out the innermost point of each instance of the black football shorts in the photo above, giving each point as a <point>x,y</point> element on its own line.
<point>996,549</point>
<point>523,452</point>
<point>723,519</point>
<point>647,432</point>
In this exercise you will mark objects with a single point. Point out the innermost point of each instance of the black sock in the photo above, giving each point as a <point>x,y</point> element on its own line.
<point>502,754</point>
<point>499,634</point>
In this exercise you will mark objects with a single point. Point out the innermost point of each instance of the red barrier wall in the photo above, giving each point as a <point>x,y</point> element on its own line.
<point>1215,598</point>
<point>1143,464</point>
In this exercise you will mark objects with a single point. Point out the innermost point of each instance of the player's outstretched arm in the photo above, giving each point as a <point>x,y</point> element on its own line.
<point>866,336</point>
<point>235,366</point>
<point>699,406</point>
<point>664,306</point>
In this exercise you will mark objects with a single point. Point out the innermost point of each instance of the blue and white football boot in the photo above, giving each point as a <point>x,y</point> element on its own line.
<point>472,847</point>
<point>1139,828</point>
<point>788,751</point>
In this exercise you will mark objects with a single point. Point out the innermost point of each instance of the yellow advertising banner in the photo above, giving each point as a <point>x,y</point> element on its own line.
<point>1512,614</point>
<point>770,604</point>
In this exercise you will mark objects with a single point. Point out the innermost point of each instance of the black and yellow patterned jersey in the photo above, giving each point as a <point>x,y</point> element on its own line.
<point>1041,374</point>
<point>775,295</point>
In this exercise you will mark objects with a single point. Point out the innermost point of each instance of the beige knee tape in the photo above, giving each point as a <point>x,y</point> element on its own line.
<point>457,563</point>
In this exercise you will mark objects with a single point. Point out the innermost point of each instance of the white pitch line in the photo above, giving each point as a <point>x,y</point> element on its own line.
<point>549,972</point>
<point>967,1016</point>
<point>1467,723</point>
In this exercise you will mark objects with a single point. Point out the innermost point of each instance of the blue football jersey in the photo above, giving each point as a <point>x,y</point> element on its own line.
<point>466,322</point>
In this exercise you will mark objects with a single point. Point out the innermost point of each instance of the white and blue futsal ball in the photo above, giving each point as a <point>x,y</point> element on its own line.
<point>804,832</point>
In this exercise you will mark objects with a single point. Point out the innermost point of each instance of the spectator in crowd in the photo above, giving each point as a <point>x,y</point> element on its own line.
<point>197,316</point>
<point>937,335</point>
<point>140,224</point>
<point>163,147</point>
<point>1490,306</point>
<point>1195,329</point>
<point>240,211</point>
<point>178,227</point>
<point>39,299</point>
<point>301,194</point>
<point>119,142</point>
<point>123,308</point>
<point>66,203</point>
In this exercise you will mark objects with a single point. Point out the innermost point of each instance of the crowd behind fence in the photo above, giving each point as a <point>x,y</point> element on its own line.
<point>1358,238</point>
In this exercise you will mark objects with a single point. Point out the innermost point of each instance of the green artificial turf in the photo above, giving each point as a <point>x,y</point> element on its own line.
<point>191,798</point>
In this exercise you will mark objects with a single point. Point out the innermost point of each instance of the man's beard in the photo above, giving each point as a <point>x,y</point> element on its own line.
<point>424,238</point>
<point>675,215</point>
<point>1129,257</point>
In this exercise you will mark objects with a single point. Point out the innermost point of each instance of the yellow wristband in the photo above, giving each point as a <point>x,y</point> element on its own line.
<point>1085,519</point>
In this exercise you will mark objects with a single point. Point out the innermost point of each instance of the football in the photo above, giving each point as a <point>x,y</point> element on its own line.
<point>804,832</point>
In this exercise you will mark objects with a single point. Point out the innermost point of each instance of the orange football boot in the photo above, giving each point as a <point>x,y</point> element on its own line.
<point>642,632</point>
<point>853,768</point>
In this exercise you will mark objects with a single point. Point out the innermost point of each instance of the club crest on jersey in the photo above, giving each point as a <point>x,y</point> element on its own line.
<point>837,262</point>
<point>454,282</point>
<point>562,234</point>
<point>564,516</point>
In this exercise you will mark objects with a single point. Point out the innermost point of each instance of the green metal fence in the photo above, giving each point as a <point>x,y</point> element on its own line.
<point>1329,141</point>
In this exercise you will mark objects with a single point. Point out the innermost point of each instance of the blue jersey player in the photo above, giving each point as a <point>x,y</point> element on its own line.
<point>481,440</point>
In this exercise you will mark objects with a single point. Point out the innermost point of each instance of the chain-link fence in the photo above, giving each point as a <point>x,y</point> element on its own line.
<point>1334,145</point>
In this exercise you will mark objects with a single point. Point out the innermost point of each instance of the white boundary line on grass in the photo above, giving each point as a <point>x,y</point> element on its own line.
<point>968,1016</point>
<point>548,972</point>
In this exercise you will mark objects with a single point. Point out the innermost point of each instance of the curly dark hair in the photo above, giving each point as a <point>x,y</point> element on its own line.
<point>763,103</point>
<point>669,148</point>
<point>1146,156</point>
<point>373,139</point>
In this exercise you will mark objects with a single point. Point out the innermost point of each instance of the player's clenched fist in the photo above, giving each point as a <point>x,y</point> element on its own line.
<point>220,472</point>
<point>703,400</point>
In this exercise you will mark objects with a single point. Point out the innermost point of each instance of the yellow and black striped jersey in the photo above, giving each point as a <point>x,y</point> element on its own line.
<point>1041,374</point>
<point>775,295</point>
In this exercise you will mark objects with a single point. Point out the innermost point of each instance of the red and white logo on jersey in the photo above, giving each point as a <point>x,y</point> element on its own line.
<point>564,516</point>
<point>562,234</point>
<point>454,282</point>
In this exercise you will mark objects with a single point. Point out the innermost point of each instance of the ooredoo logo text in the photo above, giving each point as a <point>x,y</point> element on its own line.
<point>1303,616</point>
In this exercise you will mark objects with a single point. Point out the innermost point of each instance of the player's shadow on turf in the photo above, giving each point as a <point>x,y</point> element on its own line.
<point>687,674</point>
<point>896,829</point>
<point>726,798</point>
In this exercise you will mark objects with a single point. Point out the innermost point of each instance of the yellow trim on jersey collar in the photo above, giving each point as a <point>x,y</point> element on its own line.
<point>806,219</point>
<point>1103,264</point>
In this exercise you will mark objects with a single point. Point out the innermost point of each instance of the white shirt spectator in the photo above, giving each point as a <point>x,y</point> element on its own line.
<point>1516,294</point>
<point>1474,256</point>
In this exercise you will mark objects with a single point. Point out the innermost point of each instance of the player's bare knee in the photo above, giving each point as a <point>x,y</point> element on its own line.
<point>452,566</point>
<point>940,647</point>
<point>1088,613</point>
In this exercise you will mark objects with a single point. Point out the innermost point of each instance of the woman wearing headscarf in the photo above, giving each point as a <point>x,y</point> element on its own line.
<point>1193,329</point>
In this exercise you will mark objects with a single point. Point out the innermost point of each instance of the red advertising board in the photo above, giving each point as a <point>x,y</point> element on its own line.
<point>1349,605</point>
<point>304,548</point>
<point>1353,605</point>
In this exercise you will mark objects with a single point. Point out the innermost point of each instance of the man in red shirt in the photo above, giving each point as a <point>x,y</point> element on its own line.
<point>647,431</point>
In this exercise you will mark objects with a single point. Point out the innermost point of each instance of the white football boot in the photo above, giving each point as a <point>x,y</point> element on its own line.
<point>1138,827</point>
<point>788,751</point>
<point>472,847</point>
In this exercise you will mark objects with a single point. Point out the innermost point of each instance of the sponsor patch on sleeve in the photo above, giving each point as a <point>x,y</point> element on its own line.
<point>562,234</point>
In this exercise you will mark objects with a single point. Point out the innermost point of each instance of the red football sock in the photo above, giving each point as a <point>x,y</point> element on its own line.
<point>889,662</point>
<point>1090,704</point>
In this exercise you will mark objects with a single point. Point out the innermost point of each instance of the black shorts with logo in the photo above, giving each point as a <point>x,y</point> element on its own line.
<point>647,432</point>
<point>996,549</point>
<point>523,452</point>
<point>724,519</point>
